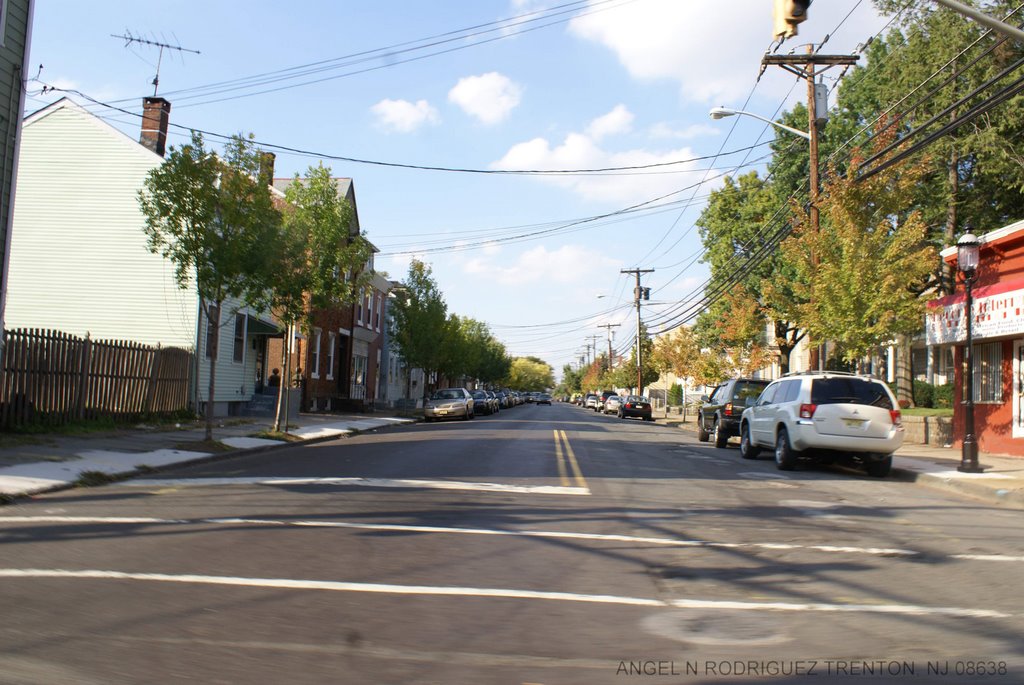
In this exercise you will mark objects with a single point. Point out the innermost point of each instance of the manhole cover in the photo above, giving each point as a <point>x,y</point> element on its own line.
<point>716,628</point>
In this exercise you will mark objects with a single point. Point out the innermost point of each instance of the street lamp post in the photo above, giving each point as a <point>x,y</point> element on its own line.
<point>967,249</point>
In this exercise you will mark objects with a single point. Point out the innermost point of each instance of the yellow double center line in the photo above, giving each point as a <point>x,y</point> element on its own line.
<point>563,455</point>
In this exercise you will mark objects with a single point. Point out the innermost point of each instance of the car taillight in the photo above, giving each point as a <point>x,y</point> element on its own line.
<point>897,418</point>
<point>728,409</point>
<point>807,411</point>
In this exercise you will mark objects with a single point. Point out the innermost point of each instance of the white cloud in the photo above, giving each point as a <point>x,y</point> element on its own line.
<point>713,51</point>
<point>489,97</point>
<point>404,116</point>
<point>619,120</point>
<point>569,264</point>
<point>579,151</point>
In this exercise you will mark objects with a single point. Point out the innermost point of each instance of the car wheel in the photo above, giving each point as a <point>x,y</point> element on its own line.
<point>621,415</point>
<point>748,450</point>
<point>721,438</point>
<point>702,434</point>
<point>648,418</point>
<point>785,457</point>
<point>879,468</point>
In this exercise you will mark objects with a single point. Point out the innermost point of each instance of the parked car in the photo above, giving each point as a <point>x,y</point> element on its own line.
<point>543,398</point>
<point>635,405</point>
<point>825,416</point>
<point>482,403</point>
<point>495,400</point>
<point>449,403</point>
<point>601,398</point>
<point>590,402</point>
<point>612,404</point>
<point>719,415</point>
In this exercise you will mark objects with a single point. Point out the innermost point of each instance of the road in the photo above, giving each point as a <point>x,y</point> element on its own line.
<point>540,545</point>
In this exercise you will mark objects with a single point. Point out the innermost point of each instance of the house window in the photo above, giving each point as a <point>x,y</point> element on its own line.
<point>988,372</point>
<point>369,309</point>
<point>359,310</point>
<point>238,352</point>
<point>376,315</point>
<point>331,344</point>
<point>212,322</point>
<point>314,354</point>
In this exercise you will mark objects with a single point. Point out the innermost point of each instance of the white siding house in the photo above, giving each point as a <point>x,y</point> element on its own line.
<point>79,261</point>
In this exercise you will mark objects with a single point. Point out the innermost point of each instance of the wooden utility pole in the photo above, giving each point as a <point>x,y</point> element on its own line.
<point>817,113</point>
<point>639,294</point>
<point>609,327</point>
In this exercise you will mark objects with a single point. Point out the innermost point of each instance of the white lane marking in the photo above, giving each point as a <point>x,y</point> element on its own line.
<point>603,537</point>
<point>986,557</point>
<point>367,483</point>
<point>501,593</point>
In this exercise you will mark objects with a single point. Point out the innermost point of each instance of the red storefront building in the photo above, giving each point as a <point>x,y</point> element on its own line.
<point>998,331</point>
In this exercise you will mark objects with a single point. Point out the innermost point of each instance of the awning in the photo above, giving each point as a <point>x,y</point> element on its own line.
<point>260,327</point>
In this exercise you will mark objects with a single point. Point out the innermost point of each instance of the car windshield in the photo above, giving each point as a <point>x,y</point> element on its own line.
<point>479,394</point>
<point>850,391</point>
<point>447,395</point>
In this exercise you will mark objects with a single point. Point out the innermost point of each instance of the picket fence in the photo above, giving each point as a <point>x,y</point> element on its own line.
<point>53,378</point>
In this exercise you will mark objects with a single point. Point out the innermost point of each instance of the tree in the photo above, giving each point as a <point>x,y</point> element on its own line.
<point>320,262</point>
<point>736,228</point>
<point>421,325</point>
<point>213,217</point>
<point>530,374</point>
<point>873,255</point>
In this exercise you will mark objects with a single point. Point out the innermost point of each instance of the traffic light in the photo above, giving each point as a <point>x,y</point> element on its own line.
<point>789,13</point>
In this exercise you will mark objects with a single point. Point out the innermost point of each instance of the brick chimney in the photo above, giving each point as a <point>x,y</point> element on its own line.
<point>155,115</point>
<point>267,160</point>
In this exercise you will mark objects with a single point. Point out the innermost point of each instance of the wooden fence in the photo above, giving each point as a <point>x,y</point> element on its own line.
<point>53,378</point>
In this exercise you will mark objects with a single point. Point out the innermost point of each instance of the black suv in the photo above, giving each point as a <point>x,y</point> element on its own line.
<point>719,415</point>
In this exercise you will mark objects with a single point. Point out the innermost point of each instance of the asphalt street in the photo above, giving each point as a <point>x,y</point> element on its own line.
<point>540,545</point>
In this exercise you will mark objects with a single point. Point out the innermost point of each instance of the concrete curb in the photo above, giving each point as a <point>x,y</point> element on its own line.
<point>127,474</point>
<point>986,490</point>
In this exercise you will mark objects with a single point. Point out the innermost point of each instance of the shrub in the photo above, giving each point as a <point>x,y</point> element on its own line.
<point>924,394</point>
<point>943,395</point>
<point>675,395</point>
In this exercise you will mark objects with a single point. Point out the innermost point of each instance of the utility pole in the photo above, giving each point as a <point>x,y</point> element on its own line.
<point>817,115</point>
<point>592,345</point>
<point>609,327</point>
<point>639,294</point>
<point>129,39</point>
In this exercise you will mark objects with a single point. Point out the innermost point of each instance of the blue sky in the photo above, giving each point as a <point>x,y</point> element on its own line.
<point>590,85</point>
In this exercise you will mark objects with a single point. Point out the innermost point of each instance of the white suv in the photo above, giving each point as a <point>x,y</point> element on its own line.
<point>824,416</point>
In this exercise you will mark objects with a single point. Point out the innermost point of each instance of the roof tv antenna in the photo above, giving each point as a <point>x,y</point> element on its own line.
<point>128,39</point>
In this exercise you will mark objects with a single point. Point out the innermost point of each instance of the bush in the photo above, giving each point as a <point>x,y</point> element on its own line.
<point>943,395</point>
<point>924,394</point>
<point>675,395</point>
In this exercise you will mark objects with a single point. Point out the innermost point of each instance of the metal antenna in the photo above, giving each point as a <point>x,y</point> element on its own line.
<point>128,39</point>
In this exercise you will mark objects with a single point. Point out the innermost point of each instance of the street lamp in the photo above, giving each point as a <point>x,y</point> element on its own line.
<point>722,112</point>
<point>967,249</point>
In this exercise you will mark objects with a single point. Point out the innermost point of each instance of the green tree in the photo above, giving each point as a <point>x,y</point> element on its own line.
<point>320,262</point>
<point>530,374</point>
<point>214,219</point>
<point>873,256</point>
<point>421,324</point>
<point>736,227</point>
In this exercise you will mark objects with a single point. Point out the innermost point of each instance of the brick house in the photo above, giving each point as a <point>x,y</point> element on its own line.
<point>998,332</point>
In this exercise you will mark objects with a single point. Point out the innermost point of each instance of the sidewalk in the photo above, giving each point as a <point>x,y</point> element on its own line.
<point>1001,483</point>
<point>31,464</point>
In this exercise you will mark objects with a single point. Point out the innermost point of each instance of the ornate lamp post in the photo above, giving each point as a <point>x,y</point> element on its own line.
<point>967,249</point>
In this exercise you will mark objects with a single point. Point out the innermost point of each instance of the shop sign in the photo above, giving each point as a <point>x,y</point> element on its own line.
<point>998,312</point>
